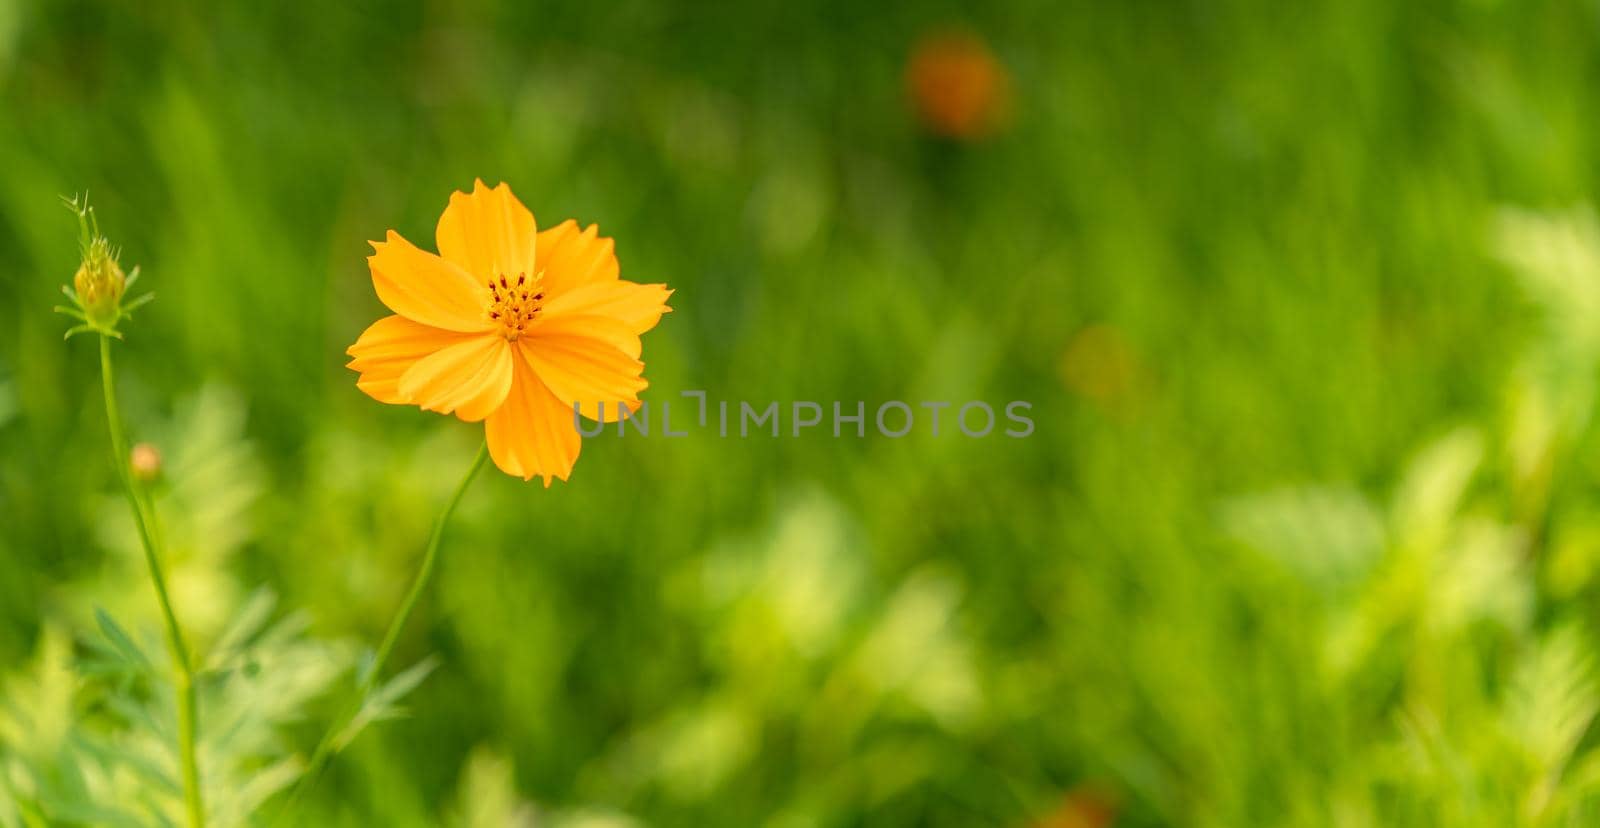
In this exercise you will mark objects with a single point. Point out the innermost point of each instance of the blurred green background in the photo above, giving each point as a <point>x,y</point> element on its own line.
<point>1306,300</point>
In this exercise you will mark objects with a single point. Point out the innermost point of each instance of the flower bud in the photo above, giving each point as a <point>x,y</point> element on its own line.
<point>145,460</point>
<point>100,283</point>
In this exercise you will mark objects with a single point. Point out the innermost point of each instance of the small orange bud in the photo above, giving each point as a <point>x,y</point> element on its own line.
<point>145,459</point>
<point>958,87</point>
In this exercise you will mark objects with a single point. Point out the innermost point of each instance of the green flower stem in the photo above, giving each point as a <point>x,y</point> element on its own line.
<point>144,519</point>
<point>325,748</point>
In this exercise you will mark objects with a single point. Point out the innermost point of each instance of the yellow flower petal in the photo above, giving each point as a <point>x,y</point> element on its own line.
<point>532,433</point>
<point>638,307</point>
<point>425,288</point>
<point>562,329</point>
<point>488,233</point>
<point>578,358</point>
<point>571,259</point>
<point>388,348</point>
<point>471,378</point>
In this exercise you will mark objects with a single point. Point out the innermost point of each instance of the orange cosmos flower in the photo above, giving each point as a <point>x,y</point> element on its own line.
<point>508,325</point>
<point>959,88</point>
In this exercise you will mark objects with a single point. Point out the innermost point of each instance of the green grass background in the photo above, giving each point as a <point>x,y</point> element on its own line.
<point>1234,578</point>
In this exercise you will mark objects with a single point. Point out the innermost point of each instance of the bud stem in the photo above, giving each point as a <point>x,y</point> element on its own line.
<point>144,519</point>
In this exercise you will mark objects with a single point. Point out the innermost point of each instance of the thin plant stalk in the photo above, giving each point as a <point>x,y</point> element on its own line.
<point>144,519</point>
<point>369,680</point>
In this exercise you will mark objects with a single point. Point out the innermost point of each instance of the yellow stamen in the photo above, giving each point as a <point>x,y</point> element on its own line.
<point>515,303</point>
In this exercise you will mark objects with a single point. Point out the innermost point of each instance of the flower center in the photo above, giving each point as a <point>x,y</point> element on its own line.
<point>515,303</point>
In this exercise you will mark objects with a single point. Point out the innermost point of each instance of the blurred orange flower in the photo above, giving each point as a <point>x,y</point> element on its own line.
<point>508,325</point>
<point>957,86</point>
<point>1101,366</point>
<point>1083,807</point>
